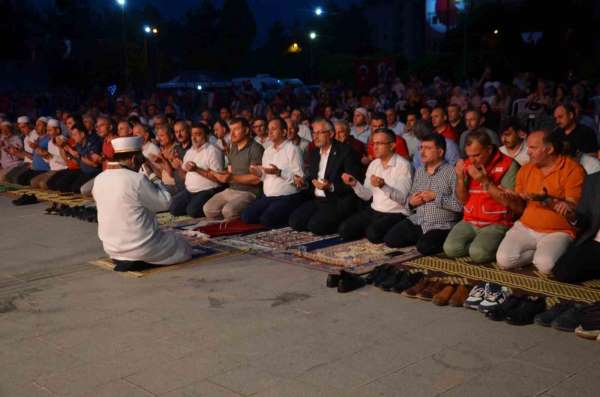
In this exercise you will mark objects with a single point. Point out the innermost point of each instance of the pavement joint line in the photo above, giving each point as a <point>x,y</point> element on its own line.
<point>124,379</point>
<point>556,384</point>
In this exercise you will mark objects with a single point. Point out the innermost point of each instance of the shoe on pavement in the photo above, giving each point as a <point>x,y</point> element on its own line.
<point>475,297</point>
<point>524,313</point>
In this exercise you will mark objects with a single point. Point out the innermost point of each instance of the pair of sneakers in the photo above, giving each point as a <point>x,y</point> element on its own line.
<point>26,199</point>
<point>486,297</point>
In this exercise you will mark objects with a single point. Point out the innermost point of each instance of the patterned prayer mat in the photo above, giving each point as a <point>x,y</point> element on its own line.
<point>204,251</point>
<point>276,239</point>
<point>524,279</point>
<point>328,267</point>
<point>331,255</point>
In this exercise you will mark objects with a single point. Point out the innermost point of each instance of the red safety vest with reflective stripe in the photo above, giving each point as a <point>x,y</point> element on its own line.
<point>481,209</point>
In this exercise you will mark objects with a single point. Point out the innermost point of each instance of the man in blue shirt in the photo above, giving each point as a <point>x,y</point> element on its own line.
<point>87,153</point>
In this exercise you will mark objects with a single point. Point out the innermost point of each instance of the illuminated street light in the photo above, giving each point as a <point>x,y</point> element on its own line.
<point>155,30</point>
<point>318,11</point>
<point>496,31</point>
<point>199,87</point>
<point>147,29</point>
<point>312,35</point>
<point>121,3</point>
<point>294,48</point>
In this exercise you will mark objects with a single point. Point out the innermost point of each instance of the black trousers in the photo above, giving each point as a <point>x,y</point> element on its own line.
<point>370,223</point>
<point>273,212</point>
<point>580,263</point>
<point>406,233</point>
<point>191,204</point>
<point>321,215</point>
<point>69,181</point>
<point>26,177</point>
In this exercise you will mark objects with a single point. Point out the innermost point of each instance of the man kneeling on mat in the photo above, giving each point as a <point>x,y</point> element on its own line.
<point>127,201</point>
<point>388,183</point>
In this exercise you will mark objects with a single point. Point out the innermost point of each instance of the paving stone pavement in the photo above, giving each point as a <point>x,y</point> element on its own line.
<point>245,326</point>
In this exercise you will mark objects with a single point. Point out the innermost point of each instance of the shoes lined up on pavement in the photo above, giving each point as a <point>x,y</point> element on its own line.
<point>85,213</point>
<point>26,199</point>
<point>583,319</point>
<point>493,300</point>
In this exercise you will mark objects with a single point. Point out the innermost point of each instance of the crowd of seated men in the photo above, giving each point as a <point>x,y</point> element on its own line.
<point>437,179</point>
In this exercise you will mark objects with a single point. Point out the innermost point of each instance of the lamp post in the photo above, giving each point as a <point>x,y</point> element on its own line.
<point>122,4</point>
<point>312,35</point>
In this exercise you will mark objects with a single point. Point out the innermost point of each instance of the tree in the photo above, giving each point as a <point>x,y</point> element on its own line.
<point>236,31</point>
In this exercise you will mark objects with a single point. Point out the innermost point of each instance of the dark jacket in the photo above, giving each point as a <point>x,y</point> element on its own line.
<point>588,209</point>
<point>342,159</point>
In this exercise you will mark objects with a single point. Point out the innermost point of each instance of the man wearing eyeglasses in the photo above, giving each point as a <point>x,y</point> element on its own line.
<point>332,200</point>
<point>387,182</point>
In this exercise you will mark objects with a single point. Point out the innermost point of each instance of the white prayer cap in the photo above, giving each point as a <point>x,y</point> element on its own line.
<point>6,123</point>
<point>23,120</point>
<point>362,111</point>
<point>127,144</point>
<point>43,119</point>
<point>53,123</point>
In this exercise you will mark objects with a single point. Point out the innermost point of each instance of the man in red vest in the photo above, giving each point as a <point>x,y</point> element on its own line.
<point>479,183</point>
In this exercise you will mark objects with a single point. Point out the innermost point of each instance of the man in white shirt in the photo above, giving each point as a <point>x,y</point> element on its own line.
<point>360,129</point>
<point>127,201</point>
<point>200,185</point>
<point>280,162</point>
<point>259,129</point>
<point>293,136</point>
<point>387,182</point>
<point>55,156</point>
<point>513,139</point>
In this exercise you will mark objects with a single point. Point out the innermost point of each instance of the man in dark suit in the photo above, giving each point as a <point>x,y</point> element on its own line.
<point>332,200</point>
<point>580,262</point>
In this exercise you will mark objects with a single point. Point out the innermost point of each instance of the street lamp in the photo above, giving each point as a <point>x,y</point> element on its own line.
<point>122,3</point>
<point>496,31</point>
<point>318,11</point>
<point>147,29</point>
<point>312,35</point>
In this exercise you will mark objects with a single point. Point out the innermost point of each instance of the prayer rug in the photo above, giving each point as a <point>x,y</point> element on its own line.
<point>203,252</point>
<point>524,279</point>
<point>229,228</point>
<point>276,239</point>
<point>70,199</point>
<point>7,187</point>
<point>166,219</point>
<point>357,257</point>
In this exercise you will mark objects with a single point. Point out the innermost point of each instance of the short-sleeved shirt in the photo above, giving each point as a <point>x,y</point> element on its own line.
<point>7,160</point>
<point>565,181</point>
<point>241,160</point>
<point>39,163</point>
<point>93,144</point>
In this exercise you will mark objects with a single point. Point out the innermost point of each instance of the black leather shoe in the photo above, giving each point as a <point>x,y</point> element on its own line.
<point>378,274</point>
<point>546,318</point>
<point>499,312</point>
<point>525,312</point>
<point>407,280</point>
<point>394,276</point>
<point>52,210</point>
<point>333,280</point>
<point>131,266</point>
<point>26,199</point>
<point>570,319</point>
<point>350,282</point>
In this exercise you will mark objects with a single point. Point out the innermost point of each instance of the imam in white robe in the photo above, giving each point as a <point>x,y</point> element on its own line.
<point>127,202</point>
